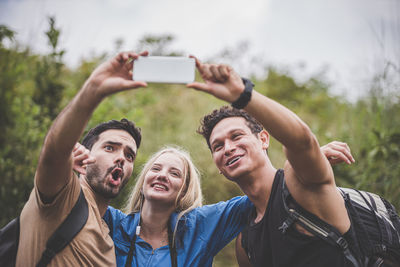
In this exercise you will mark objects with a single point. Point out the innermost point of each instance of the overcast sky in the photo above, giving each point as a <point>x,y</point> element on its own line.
<point>345,35</point>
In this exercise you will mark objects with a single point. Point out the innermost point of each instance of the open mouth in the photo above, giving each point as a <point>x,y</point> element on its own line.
<point>233,160</point>
<point>158,186</point>
<point>116,174</point>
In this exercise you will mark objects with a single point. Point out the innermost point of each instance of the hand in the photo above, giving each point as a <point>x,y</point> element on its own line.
<point>81,158</point>
<point>219,80</point>
<point>337,152</point>
<point>115,75</point>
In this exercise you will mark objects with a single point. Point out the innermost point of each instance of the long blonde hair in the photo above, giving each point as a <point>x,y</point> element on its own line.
<point>189,196</point>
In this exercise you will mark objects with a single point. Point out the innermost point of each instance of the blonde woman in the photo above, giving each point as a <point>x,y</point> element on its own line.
<point>167,224</point>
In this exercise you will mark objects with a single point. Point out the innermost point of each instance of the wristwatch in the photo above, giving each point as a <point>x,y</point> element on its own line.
<point>245,96</point>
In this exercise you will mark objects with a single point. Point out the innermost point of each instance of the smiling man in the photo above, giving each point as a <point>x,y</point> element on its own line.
<point>239,143</point>
<point>113,145</point>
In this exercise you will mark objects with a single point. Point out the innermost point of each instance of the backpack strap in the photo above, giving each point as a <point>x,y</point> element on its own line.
<point>314,225</point>
<point>172,246</point>
<point>384,226</point>
<point>9,237</point>
<point>372,207</point>
<point>68,229</point>
<point>394,217</point>
<point>363,237</point>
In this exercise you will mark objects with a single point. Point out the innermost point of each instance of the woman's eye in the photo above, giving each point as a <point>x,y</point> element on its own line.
<point>108,148</point>
<point>130,157</point>
<point>176,174</point>
<point>155,168</point>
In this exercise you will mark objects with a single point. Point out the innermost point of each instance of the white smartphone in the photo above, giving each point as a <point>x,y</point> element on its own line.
<point>164,69</point>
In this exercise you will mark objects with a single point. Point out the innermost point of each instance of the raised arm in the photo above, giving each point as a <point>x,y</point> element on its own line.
<point>55,162</point>
<point>308,173</point>
<point>300,144</point>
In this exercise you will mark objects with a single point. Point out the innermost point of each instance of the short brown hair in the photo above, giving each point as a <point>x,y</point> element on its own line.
<point>129,126</point>
<point>209,121</point>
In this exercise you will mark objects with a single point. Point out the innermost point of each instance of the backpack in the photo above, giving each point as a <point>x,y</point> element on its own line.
<point>374,220</point>
<point>69,228</point>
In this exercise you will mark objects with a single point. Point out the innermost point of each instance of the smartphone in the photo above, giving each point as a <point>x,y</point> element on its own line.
<point>164,69</point>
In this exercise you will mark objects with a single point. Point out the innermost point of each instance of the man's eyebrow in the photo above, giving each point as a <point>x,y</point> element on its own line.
<point>113,143</point>
<point>216,140</point>
<point>120,144</point>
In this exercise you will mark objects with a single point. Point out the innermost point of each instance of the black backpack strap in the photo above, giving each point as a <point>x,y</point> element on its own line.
<point>314,225</point>
<point>394,217</point>
<point>172,246</point>
<point>69,228</point>
<point>132,248</point>
<point>372,207</point>
<point>384,227</point>
<point>9,237</point>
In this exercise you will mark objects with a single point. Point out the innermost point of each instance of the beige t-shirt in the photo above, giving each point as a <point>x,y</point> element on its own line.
<point>92,246</point>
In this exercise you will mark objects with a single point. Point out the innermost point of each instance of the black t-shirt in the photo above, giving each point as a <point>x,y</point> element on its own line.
<point>268,246</point>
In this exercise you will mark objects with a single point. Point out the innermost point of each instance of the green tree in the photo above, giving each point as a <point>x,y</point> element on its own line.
<point>49,87</point>
<point>30,98</point>
<point>7,82</point>
<point>21,134</point>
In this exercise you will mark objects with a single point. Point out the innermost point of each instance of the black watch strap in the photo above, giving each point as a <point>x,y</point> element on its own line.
<point>245,96</point>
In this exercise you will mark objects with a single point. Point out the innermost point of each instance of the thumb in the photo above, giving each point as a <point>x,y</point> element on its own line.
<point>80,170</point>
<point>132,84</point>
<point>199,86</point>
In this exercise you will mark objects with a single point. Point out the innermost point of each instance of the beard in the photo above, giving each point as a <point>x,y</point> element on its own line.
<point>96,180</point>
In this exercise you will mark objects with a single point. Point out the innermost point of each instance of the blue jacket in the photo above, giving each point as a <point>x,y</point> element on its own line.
<point>201,234</point>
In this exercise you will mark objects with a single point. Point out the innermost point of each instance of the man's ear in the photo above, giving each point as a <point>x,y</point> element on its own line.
<point>264,137</point>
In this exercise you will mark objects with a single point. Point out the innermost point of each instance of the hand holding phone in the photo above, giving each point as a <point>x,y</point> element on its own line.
<point>164,69</point>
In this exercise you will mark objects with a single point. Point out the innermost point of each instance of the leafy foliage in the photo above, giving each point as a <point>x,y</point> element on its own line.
<point>49,88</point>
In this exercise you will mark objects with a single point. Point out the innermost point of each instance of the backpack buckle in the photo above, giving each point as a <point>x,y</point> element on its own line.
<point>342,243</point>
<point>286,224</point>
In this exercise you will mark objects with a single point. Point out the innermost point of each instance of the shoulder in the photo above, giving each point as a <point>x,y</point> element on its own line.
<point>121,225</point>
<point>217,224</point>
<point>62,202</point>
<point>114,214</point>
<point>235,203</point>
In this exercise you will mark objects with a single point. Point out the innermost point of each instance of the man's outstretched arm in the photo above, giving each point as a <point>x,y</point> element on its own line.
<point>55,162</point>
<point>284,125</point>
<point>308,173</point>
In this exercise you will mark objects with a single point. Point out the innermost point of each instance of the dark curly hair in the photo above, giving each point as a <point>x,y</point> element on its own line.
<point>93,135</point>
<point>209,121</point>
